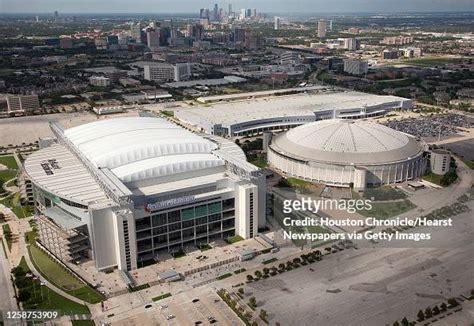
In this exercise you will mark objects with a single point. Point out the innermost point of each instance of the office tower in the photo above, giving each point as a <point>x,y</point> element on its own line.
<point>242,14</point>
<point>321,28</point>
<point>277,23</point>
<point>112,39</point>
<point>152,38</point>
<point>330,25</point>
<point>248,13</point>
<point>165,34</point>
<point>56,16</point>
<point>202,13</point>
<point>356,67</point>
<point>136,32</point>
<point>37,19</point>
<point>215,12</point>
<point>230,9</point>
<point>239,35</point>
<point>254,13</point>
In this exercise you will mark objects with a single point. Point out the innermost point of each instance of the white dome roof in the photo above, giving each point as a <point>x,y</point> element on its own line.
<point>346,142</point>
<point>136,148</point>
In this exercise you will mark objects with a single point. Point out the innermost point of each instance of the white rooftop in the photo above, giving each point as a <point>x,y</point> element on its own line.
<point>138,148</point>
<point>67,177</point>
<point>303,104</point>
<point>346,141</point>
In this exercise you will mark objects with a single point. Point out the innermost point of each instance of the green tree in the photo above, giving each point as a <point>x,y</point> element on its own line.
<point>258,274</point>
<point>396,323</point>
<point>253,301</point>
<point>421,315</point>
<point>428,313</point>
<point>405,321</point>
<point>249,278</point>
<point>24,295</point>
<point>452,302</point>
<point>263,314</point>
<point>436,310</point>
<point>443,307</point>
<point>241,290</point>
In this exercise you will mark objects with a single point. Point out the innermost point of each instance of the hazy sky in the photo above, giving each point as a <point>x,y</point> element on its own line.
<point>189,6</point>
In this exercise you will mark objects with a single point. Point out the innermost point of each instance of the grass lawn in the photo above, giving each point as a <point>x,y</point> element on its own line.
<point>9,161</point>
<point>434,178</point>
<point>30,237</point>
<point>51,300</point>
<point>259,161</point>
<point>161,297</point>
<point>384,193</point>
<point>6,228</point>
<point>385,210</point>
<point>13,202</point>
<point>6,175</point>
<point>82,323</point>
<point>294,182</point>
<point>234,239</point>
<point>58,276</point>
<point>431,61</point>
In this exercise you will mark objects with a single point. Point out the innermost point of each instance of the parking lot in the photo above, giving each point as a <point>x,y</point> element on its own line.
<point>374,285</point>
<point>180,309</point>
<point>432,126</point>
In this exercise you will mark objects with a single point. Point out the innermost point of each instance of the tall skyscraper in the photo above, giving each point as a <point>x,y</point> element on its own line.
<point>321,28</point>
<point>277,23</point>
<point>136,32</point>
<point>230,8</point>
<point>56,16</point>
<point>153,38</point>
<point>330,25</point>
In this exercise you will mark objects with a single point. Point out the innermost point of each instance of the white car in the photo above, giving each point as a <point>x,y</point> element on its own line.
<point>169,317</point>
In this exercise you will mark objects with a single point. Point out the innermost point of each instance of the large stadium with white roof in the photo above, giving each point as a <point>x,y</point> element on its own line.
<point>348,153</point>
<point>128,191</point>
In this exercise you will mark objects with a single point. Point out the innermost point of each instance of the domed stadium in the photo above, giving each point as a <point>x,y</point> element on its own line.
<point>347,153</point>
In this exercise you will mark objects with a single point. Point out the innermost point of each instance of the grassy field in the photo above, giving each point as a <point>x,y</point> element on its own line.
<point>83,323</point>
<point>50,299</point>
<point>434,178</point>
<point>6,228</point>
<point>13,202</point>
<point>431,61</point>
<point>388,209</point>
<point>58,276</point>
<point>259,161</point>
<point>384,193</point>
<point>234,239</point>
<point>9,161</point>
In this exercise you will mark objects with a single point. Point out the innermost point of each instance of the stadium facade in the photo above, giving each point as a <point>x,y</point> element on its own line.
<point>348,153</point>
<point>130,190</point>
<point>238,117</point>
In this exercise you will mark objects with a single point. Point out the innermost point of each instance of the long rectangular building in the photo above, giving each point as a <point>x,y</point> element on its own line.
<point>254,115</point>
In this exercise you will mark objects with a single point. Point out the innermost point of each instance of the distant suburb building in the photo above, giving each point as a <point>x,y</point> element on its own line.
<point>19,104</point>
<point>164,72</point>
<point>99,81</point>
<point>356,67</point>
<point>127,191</point>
